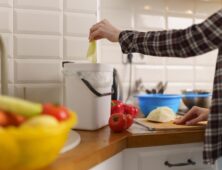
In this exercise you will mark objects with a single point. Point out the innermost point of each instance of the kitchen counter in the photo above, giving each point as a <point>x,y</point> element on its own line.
<point>97,146</point>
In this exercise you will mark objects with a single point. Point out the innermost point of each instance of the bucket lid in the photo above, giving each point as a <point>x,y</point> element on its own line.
<point>82,67</point>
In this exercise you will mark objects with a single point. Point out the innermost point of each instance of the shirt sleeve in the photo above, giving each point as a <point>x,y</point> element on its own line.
<point>194,40</point>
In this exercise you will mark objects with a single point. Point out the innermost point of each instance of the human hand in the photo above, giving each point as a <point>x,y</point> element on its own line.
<point>104,29</point>
<point>193,116</point>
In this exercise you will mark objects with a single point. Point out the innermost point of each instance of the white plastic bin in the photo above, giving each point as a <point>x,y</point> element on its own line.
<point>87,91</point>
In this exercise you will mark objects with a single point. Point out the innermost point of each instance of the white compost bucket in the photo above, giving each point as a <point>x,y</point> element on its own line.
<point>87,91</point>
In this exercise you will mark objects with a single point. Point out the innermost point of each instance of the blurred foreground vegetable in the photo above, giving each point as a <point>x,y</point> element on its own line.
<point>29,138</point>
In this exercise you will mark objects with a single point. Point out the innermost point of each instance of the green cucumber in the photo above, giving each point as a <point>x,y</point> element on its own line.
<point>20,106</point>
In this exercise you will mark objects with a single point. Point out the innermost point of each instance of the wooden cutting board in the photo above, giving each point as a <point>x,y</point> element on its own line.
<point>168,125</point>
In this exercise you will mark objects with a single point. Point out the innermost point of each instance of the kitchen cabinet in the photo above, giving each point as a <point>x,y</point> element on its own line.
<point>113,163</point>
<point>167,157</point>
<point>104,150</point>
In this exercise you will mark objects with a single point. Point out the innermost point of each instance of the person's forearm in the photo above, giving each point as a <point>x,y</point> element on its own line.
<point>192,41</point>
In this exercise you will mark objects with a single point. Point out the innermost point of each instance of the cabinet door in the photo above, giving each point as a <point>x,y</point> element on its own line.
<point>172,160</point>
<point>113,163</point>
<point>169,157</point>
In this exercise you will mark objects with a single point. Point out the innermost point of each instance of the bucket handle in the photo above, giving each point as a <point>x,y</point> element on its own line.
<point>90,87</point>
<point>94,91</point>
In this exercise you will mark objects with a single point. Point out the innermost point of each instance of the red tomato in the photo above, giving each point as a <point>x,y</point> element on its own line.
<point>117,107</point>
<point>118,122</point>
<point>9,119</point>
<point>59,112</point>
<point>16,120</point>
<point>4,120</point>
<point>129,120</point>
<point>130,109</point>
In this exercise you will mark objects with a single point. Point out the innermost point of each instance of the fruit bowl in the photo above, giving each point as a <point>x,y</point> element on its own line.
<point>30,148</point>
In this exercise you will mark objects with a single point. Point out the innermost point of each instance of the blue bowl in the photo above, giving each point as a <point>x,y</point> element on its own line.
<point>148,102</point>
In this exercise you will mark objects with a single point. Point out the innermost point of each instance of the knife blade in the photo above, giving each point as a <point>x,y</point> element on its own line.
<point>147,127</point>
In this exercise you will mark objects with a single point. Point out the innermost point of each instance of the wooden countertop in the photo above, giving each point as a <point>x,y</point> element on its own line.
<point>97,146</point>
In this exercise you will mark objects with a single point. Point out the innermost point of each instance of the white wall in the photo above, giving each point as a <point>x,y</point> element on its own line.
<point>40,34</point>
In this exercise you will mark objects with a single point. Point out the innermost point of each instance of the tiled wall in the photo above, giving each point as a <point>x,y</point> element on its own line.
<point>148,15</point>
<point>38,35</point>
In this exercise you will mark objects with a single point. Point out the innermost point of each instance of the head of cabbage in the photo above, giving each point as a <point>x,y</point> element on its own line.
<point>161,114</point>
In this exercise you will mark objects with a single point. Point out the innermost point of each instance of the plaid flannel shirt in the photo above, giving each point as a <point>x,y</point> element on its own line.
<point>193,41</point>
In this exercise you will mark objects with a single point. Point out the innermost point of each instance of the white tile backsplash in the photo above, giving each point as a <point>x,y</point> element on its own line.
<point>6,3</point>
<point>28,71</point>
<point>123,71</point>
<point>204,74</point>
<point>111,54</point>
<point>119,17</point>
<point>179,22</point>
<point>75,48</point>
<point>198,20</point>
<point>173,88</point>
<point>150,73</point>
<point>81,6</point>
<point>149,60</point>
<point>37,22</point>
<point>207,59</point>
<point>150,6</point>
<point>37,46</point>
<point>179,61</point>
<point>150,20</point>
<point>39,34</point>
<point>204,8</point>
<point>6,20</point>
<point>38,93</point>
<point>78,23</point>
<point>180,7</point>
<point>204,86</point>
<point>116,4</point>
<point>180,74</point>
<point>39,4</point>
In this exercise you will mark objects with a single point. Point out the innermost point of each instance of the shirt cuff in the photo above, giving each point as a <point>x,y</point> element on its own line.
<point>125,41</point>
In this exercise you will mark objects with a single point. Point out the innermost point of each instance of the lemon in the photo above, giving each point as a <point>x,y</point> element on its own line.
<point>43,121</point>
<point>9,151</point>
